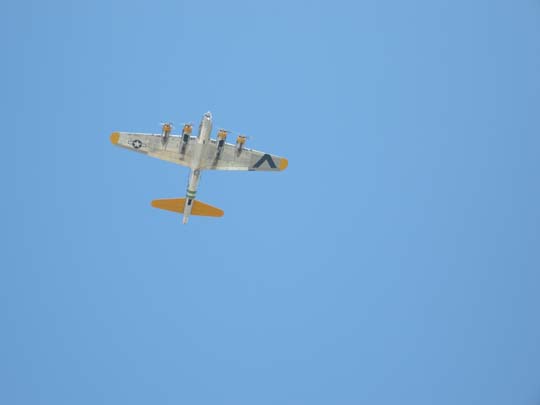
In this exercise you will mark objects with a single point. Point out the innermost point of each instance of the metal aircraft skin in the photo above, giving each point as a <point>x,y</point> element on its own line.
<point>198,153</point>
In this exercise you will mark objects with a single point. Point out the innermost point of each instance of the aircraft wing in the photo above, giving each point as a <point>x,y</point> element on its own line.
<point>247,159</point>
<point>152,145</point>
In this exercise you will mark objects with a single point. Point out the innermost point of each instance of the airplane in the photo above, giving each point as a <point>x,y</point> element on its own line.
<point>198,153</point>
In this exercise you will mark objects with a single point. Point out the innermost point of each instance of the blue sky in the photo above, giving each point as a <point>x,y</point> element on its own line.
<point>395,260</point>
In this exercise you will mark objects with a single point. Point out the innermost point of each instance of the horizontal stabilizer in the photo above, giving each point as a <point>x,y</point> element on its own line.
<point>178,204</point>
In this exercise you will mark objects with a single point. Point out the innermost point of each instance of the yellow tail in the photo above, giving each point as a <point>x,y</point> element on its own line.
<point>177,205</point>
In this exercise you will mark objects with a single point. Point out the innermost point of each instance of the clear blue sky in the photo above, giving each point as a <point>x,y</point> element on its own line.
<point>396,260</point>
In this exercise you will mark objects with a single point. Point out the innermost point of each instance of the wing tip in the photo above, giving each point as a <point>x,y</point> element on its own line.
<point>283,163</point>
<point>115,137</point>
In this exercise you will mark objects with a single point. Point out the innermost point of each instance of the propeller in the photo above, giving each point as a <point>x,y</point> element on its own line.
<point>170,124</point>
<point>236,133</point>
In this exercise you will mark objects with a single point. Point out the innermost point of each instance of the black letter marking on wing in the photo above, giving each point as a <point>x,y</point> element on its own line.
<point>266,157</point>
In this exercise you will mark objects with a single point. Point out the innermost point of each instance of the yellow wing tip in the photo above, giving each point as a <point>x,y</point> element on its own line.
<point>115,137</point>
<point>283,163</point>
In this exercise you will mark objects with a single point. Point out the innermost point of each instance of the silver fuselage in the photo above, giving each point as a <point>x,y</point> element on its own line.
<point>203,138</point>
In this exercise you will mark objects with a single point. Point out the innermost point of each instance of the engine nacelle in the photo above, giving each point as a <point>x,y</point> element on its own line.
<point>186,133</point>
<point>240,142</point>
<point>165,132</point>
<point>221,136</point>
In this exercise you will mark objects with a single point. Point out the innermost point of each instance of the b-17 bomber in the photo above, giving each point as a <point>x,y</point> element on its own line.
<point>197,153</point>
